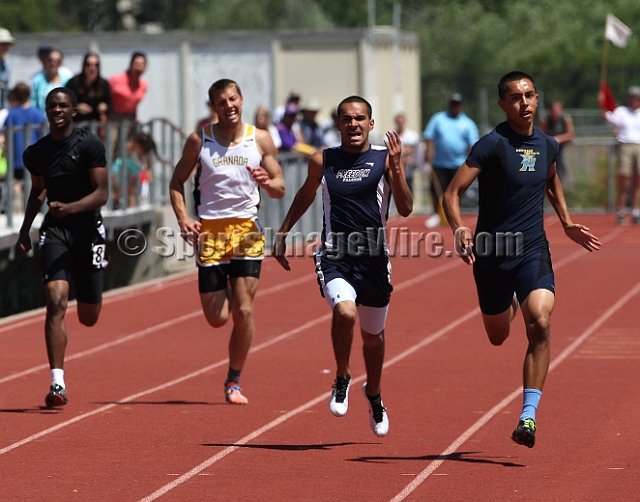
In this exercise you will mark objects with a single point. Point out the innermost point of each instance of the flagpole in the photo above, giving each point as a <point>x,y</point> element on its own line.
<point>605,60</point>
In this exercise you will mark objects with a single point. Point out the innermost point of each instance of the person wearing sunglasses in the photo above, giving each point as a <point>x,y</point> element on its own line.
<point>93,91</point>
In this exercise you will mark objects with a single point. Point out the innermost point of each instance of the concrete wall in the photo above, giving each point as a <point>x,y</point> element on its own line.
<point>21,284</point>
<point>326,65</point>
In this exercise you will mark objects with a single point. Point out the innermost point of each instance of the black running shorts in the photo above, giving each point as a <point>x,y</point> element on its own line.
<point>498,279</point>
<point>216,277</point>
<point>78,253</point>
<point>369,276</point>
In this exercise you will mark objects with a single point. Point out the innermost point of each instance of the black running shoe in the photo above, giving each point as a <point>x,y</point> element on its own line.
<point>339,400</point>
<point>525,433</point>
<point>57,396</point>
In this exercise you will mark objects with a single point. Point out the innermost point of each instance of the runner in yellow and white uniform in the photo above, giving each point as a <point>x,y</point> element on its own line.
<point>233,161</point>
<point>227,199</point>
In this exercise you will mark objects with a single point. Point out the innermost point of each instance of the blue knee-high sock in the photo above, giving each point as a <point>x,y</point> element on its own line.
<point>530,401</point>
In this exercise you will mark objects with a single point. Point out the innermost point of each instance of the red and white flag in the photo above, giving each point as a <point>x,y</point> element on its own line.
<point>617,31</point>
<point>605,97</point>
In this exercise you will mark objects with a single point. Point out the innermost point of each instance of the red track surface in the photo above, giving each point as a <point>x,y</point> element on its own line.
<point>146,416</point>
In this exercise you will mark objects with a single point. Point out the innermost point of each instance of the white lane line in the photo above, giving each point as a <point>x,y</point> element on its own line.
<point>268,343</point>
<point>163,386</point>
<point>230,449</point>
<point>36,315</point>
<point>105,346</point>
<point>283,418</point>
<point>420,478</point>
<point>426,341</point>
<point>581,252</point>
<point>146,331</point>
<point>272,424</point>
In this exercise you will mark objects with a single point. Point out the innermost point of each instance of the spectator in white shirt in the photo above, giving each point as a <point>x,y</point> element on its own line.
<point>626,120</point>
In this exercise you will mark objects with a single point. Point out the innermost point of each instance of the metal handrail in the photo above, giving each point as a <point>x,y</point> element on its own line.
<point>584,154</point>
<point>167,135</point>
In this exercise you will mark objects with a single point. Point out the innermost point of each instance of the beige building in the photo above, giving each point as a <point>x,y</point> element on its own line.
<point>380,64</point>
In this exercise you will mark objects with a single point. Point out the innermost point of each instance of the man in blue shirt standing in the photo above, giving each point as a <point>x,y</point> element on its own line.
<point>449,137</point>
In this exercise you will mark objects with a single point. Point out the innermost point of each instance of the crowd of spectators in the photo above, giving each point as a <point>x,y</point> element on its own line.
<point>293,126</point>
<point>99,99</point>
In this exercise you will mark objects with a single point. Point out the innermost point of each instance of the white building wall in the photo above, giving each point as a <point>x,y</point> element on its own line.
<point>327,75</point>
<point>327,66</point>
<point>250,68</point>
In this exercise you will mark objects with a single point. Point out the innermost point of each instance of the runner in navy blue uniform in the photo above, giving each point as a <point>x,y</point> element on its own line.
<point>68,168</point>
<point>516,166</point>
<point>352,262</point>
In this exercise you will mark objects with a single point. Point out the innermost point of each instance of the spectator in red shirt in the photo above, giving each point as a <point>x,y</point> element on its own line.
<point>128,88</point>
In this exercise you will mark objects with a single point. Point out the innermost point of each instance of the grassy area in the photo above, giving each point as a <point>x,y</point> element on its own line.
<point>588,187</point>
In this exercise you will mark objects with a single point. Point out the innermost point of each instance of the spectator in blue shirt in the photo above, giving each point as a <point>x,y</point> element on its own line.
<point>20,116</point>
<point>47,80</point>
<point>449,136</point>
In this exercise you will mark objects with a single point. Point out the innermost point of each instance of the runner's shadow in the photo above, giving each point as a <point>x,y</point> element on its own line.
<point>287,447</point>
<point>459,456</point>
<point>178,402</point>
<point>38,409</point>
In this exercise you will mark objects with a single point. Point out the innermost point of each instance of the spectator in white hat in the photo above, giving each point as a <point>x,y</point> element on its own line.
<point>311,130</point>
<point>6,41</point>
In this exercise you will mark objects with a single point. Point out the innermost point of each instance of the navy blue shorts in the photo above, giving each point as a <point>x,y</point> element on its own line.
<point>78,253</point>
<point>216,277</point>
<point>369,276</point>
<point>498,278</point>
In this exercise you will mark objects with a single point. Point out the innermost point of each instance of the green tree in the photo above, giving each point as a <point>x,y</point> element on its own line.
<point>27,15</point>
<point>258,15</point>
<point>466,45</point>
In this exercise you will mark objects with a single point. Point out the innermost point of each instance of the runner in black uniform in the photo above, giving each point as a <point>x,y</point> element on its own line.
<point>68,169</point>
<point>516,166</point>
<point>352,262</point>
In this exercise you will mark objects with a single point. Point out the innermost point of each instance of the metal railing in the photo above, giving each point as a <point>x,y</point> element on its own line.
<point>167,136</point>
<point>8,188</point>
<point>271,212</point>
<point>589,183</point>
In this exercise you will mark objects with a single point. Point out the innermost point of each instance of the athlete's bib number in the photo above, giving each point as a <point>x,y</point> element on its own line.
<point>99,251</point>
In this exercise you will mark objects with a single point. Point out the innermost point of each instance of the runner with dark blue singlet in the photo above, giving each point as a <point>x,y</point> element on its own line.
<point>516,167</point>
<point>352,263</point>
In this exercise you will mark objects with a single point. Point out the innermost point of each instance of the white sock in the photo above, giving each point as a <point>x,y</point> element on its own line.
<point>636,212</point>
<point>57,377</point>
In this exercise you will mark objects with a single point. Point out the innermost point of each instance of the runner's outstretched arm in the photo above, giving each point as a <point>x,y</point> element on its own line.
<point>301,202</point>
<point>575,231</point>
